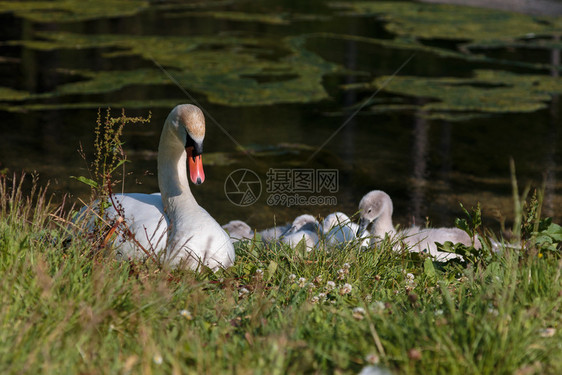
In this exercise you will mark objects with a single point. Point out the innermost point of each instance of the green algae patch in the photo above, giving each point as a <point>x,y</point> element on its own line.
<point>72,10</point>
<point>8,94</point>
<point>411,43</point>
<point>487,92</point>
<point>130,104</point>
<point>414,23</point>
<point>272,19</point>
<point>228,70</point>
<point>108,81</point>
<point>443,21</point>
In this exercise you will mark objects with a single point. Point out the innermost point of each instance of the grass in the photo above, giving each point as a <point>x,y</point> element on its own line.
<point>276,311</point>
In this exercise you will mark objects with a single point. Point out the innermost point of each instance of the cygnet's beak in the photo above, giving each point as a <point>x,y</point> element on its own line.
<point>291,230</point>
<point>196,173</point>
<point>363,224</point>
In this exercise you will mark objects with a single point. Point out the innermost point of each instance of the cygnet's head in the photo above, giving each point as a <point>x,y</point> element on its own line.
<point>303,222</point>
<point>333,220</point>
<point>238,229</point>
<point>372,206</point>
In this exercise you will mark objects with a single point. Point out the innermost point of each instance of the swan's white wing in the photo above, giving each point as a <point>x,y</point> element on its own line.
<point>144,216</point>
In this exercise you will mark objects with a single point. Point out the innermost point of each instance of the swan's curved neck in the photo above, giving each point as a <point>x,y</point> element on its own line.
<point>383,225</point>
<point>172,171</point>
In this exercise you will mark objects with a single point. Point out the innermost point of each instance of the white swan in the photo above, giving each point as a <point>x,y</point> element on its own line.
<point>376,207</point>
<point>238,230</point>
<point>304,227</point>
<point>338,228</point>
<point>171,223</point>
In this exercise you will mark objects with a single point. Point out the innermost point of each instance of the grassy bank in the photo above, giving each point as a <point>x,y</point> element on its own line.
<point>65,309</point>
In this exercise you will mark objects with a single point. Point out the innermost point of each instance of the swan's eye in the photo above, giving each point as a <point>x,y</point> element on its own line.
<point>369,211</point>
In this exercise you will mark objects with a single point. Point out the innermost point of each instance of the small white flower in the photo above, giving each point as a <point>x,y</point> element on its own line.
<point>438,312</point>
<point>368,298</point>
<point>330,285</point>
<point>292,277</point>
<point>243,292</point>
<point>259,271</point>
<point>302,282</point>
<point>322,296</point>
<point>346,266</point>
<point>358,313</point>
<point>341,274</point>
<point>346,289</point>
<point>310,286</point>
<point>186,314</point>
<point>157,359</point>
<point>372,358</point>
<point>378,306</point>
<point>493,311</point>
<point>410,276</point>
<point>547,332</point>
<point>315,299</point>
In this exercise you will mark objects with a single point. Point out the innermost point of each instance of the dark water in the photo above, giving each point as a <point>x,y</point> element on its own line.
<point>427,159</point>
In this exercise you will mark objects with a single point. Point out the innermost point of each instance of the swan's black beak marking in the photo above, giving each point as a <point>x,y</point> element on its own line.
<point>199,182</point>
<point>197,146</point>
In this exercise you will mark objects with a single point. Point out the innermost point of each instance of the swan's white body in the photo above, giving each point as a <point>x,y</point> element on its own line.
<point>376,207</point>
<point>171,223</point>
<point>238,230</point>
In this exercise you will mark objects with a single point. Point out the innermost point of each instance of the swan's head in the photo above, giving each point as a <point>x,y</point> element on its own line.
<point>373,205</point>
<point>189,123</point>
<point>333,220</point>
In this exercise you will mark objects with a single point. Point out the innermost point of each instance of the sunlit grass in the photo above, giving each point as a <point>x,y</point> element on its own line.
<point>276,311</point>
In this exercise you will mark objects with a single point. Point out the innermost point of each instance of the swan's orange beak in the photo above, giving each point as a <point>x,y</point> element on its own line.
<point>195,163</point>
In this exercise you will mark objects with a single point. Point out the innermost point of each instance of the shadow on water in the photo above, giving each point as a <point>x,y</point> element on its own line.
<point>281,80</point>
